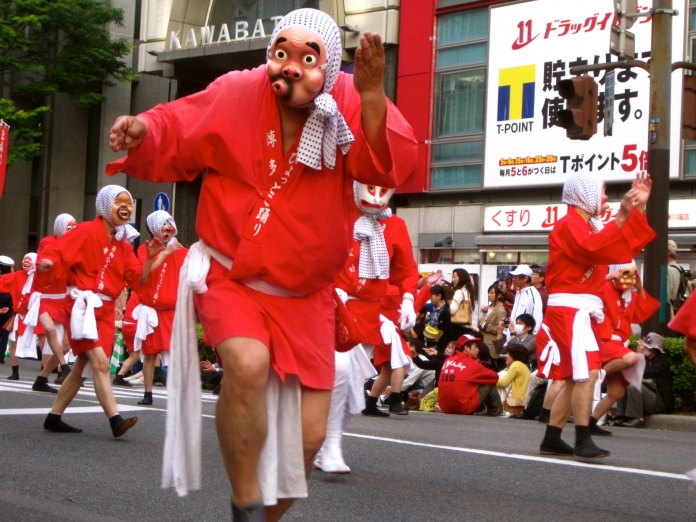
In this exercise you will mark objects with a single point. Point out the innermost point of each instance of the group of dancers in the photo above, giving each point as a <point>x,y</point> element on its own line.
<point>300,160</point>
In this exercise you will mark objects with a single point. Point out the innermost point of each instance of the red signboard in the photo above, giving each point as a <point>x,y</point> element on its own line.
<point>4,145</point>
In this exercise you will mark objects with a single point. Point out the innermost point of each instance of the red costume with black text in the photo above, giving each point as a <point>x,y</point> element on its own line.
<point>460,378</point>
<point>280,221</point>
<point>89,261</point>
<point>160,292</point>
<point>12,284</point>
<point>619,318</point>
<point>58,309</point>
<point>578,261</point>
<point>368,298</point>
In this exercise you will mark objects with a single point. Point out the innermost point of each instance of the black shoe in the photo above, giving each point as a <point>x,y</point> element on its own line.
<point>216,391</point>
<point>147,399</point>
<point>371,409</point>
<point>120,381</point>
<point>585,448</point>
<point>13,377</point>
<point>596,430</point>
<point>252,513</point>
<point>160,377</point>
<point>119,425</point>
<point>553,444</point>
<point>519,416</point>
<point>396,405</point>
<point>65,371</point>
<point>41,385</point>
<point>482,410</point>
<point>55,424</point>
<point>544,417</point>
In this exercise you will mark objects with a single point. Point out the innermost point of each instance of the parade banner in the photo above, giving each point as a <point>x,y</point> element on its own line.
<point>4,150</point>
<point>532,46</point>
<point>542,218</point>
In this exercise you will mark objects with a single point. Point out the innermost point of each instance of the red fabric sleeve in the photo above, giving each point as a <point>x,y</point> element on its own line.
<point>132,269</point>
<point>644,307</point>
<point>422,298</point>
<point>65,252</point>
<point>610,244</point>
<point>181,139</point>
<point>6,282</point>
<point>403,271</point>
<point>483,376</point>
<point>685,320</point>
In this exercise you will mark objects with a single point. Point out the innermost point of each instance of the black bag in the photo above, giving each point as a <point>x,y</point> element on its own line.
<point>684,289</point>
<point>536,403</point>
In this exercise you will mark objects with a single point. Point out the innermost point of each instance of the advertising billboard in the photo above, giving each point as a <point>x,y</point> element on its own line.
<point>532,46</point>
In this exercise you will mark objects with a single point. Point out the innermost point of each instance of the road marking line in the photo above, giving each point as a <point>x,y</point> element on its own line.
<point>70,409</point>
<point>546,460</point>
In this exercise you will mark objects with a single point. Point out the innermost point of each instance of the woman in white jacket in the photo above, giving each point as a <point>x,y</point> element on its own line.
<point>463,292</point>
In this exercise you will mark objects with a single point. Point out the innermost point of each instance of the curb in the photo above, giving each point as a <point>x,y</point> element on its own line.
<point>671,422</point>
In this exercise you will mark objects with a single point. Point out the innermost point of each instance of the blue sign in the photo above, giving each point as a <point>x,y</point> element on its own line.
<point>161,202</point>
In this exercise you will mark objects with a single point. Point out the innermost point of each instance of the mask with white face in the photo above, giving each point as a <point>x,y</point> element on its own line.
<point>519,329</point>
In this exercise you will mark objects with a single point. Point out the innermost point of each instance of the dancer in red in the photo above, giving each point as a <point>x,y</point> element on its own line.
<point>281,146</point>
<point>622,307</point>
<point>579,252</point>
<point>154,315</point>
<point>18,285</point>
<point>97,261</point>
<point>49,307</point>
<point>381,255</point>
<point>128,328</point>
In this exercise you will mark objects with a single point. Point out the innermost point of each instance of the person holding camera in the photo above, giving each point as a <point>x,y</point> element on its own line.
<point>522,330</point>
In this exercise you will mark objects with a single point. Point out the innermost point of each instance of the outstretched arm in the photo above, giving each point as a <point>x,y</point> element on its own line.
<point>368,79</point>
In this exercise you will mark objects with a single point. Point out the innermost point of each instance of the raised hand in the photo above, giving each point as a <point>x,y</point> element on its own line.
<point>368,76</point>
<point>642,186</point>
<point>127,132</point>
<point>44,265</point>
<point>154,247</point>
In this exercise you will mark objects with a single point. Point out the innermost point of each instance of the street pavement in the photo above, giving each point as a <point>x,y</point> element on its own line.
<point>421,467</point>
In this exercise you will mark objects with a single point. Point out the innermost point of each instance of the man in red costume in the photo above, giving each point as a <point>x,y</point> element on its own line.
<point>623,306</point>
<point>48,307</point>
<point>154,315</point>
<point>18,285</point>
<point>579,252</point>
<point>97,261</point>
<point>275,217</point>
<point>381,255</point>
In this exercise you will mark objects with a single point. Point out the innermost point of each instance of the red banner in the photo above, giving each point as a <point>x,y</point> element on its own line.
<point>4,146</point>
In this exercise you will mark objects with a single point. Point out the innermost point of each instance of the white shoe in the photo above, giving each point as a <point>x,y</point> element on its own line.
<point>331,463</point>
<point>505,414</point>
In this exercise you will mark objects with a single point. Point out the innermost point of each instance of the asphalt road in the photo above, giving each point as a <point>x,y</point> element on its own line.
<point>424,467</point>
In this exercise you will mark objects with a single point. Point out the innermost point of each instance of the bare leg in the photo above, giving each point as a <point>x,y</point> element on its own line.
<point>615,392</point>
<point>397,379</point>
<point>382,381</point>
<point>149,371</point>
<point>582,399</point>
<point>618,365</point>
<point>133,357</point>
<point>561,406</point>
<point>52,337</point>
<point>241,417</point>
<point>70,387</point>
<point>552,392</point>
<point>49,366</point>
<point>102,382</point>
<point>14,360</point>
<point>315,412</point>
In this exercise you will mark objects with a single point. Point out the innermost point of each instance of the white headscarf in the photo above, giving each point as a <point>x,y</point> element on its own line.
<point>325,128</point>
<point>30,280</point>
<point>626,295</point>
<point>374,256</point>
<point>60,225</point>
<point>157,220</point>
<point>585,191</point>
<point>105,202</point>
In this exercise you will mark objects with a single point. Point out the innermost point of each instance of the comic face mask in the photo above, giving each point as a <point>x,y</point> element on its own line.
<point>627,279</point>
<point>372,199</point>
<point>28,263</point>
<point>297,65</point>
<point>122,209</point>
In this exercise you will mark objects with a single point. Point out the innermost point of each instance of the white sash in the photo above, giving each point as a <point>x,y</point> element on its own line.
<point>583,339</point>
<point>83,322</point>
<point>31,320</point>
<point>147,321</point>
<point>391,336</point>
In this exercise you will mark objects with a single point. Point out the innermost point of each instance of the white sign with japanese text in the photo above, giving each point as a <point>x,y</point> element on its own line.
<point>542,218</point>
<point>532,46</point>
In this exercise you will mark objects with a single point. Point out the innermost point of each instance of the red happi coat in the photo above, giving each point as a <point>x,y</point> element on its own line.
<point>372,296</point>
<point>619,317</point>
<point>578,259</point>
<point>12,284</point>
<point>58,309</point>
<point>460,378</point>
<point>88,260</point>
<point>278,219</point>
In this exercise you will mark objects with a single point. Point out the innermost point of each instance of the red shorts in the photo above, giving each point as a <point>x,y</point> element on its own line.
<point>611,350</point>
<point>106,327</point>
<point>383,353</point>
<point>160,340</point>
<point>128,331</point>
<point>559,320</point>
<point>298,331</point>
<point>58,309</point>
<point>368,312</point>
<point>21,328</point>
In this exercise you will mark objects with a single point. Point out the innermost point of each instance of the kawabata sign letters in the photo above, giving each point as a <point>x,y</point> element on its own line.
<point>532,46</point>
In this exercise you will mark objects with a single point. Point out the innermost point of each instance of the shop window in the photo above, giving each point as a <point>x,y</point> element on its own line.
<point>448,256</point>
<point>501,257</point>
<point>157,18</point>
<point>467,257</point>
<point>534,258</point>
<point>460,95</point>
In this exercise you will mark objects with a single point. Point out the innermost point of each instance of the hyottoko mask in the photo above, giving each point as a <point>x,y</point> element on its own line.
<point>297,65</point>
<point>122,209</point>
<point>627,278</point>
<point>372,199</point>
<point>28,262</point>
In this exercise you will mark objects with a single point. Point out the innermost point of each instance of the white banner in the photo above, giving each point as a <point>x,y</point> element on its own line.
<point>542,218</point>
<point>534,44</point>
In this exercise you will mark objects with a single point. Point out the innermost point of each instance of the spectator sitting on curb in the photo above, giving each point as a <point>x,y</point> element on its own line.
<point>465,386</point>
<point>524,326</point>
<point>656,396</point>
<point>513,382</point>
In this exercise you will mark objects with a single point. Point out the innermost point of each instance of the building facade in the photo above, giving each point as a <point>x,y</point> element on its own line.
<point>489,182</point>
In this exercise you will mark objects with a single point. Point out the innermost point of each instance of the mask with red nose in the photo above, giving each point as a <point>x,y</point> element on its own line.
<point>372,199</point>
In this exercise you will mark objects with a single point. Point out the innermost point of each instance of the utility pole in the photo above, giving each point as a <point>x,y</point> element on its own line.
<point>655,264</point>
<point>660,69</point>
